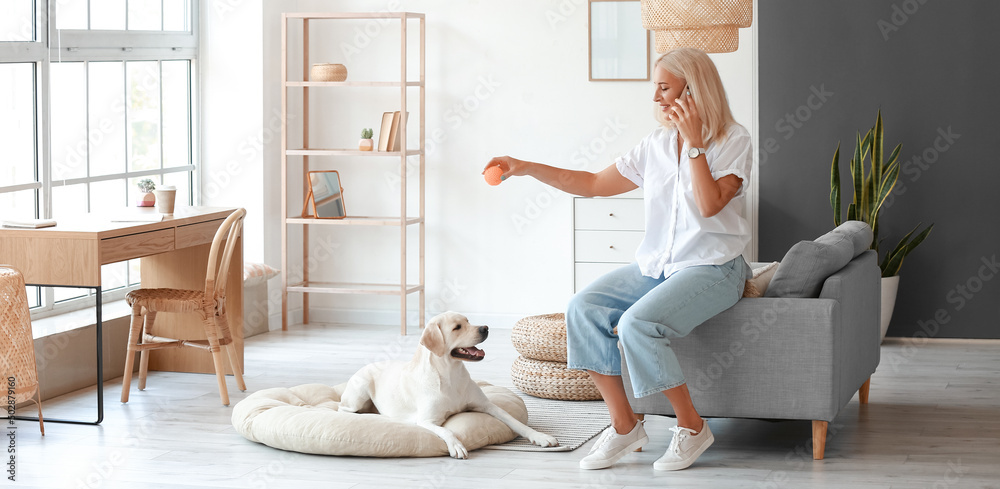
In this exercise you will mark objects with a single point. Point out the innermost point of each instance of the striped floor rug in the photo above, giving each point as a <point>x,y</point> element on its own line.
<point>573,423</point>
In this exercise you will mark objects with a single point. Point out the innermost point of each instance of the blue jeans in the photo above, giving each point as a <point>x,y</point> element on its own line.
<point>649,313</point>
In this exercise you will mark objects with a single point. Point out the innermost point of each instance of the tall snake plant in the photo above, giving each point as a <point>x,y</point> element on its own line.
<point>872,184</point>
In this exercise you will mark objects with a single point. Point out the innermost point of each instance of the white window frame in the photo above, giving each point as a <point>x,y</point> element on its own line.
<point>52,45</point>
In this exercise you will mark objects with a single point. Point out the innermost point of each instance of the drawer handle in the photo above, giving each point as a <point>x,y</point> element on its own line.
<point>611,214</point>
<point>611,247</point>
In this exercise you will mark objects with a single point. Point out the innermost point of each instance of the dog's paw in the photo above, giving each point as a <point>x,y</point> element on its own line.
<point>543,440</point>
<point>457,450</point>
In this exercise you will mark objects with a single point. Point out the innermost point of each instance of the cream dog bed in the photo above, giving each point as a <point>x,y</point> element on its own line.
<point>305,419</point>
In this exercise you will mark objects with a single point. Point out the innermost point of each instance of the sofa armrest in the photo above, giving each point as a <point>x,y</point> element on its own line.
<point>856,349</point>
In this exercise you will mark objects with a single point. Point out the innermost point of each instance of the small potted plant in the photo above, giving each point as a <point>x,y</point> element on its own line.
<point>147,198</point>
<point>366,143</point>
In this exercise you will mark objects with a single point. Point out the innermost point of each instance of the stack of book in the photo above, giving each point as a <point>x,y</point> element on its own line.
<point>389,134</point>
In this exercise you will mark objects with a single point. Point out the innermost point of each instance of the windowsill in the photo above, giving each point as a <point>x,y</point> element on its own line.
<point>81,318</point>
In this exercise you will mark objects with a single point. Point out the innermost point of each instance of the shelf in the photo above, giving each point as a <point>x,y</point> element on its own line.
<point>298,156</point>
<point>352,84</point>
<point>354,221</point>
<point>353,288</point>
<point>349,152</point>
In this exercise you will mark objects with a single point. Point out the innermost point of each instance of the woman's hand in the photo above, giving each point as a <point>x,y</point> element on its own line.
<point>511,166</point>
<point>684,113</point>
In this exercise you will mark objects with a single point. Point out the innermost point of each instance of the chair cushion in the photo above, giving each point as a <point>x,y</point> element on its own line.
<point>807,264</point>
<point>305,419</point>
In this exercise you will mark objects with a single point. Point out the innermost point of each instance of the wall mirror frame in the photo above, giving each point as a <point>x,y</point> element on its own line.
<point>617,44</point>
<point>325,197</point>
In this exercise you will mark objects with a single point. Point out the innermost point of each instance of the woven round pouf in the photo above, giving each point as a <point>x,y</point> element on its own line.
<point>541,337</point>
<point>552,380</point>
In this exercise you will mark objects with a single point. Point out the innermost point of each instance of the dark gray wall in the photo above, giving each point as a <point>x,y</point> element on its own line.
<point>931,66</point>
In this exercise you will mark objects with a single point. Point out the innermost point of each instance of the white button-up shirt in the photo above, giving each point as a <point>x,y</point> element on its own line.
<point>677,236</point>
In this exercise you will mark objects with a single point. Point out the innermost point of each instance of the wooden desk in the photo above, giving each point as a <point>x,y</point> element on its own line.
<point>174,254</point>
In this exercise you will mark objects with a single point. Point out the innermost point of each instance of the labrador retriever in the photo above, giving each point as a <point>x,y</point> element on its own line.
<point>433,385</point>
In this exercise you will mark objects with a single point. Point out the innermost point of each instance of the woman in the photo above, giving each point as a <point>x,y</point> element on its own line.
<point>689,266</point>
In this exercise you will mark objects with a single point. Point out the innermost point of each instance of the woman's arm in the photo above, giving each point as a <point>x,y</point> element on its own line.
<point>710,195</point>
<point>608,181</point>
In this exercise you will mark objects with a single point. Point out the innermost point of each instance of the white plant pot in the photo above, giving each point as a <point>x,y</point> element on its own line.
<point>889,287</point>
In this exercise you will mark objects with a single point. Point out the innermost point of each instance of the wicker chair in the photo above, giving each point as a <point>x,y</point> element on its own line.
<point>210,304</point>
<point>18,349</point>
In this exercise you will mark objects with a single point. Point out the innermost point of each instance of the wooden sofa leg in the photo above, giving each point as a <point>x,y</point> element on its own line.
<point>863,391</point>
<point>819,439</point>
<point>641,417</point>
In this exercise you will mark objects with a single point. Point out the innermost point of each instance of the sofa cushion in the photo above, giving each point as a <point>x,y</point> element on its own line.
<point>757,285</point>
<point>807,264</point>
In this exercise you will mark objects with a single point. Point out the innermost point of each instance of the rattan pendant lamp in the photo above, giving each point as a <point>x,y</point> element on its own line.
<point>712,26</point>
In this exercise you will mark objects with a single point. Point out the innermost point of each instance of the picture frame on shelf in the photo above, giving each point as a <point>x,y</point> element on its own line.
<point>325,196</point>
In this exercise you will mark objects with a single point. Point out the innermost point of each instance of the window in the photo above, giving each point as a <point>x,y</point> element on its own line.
<point>94,96</point>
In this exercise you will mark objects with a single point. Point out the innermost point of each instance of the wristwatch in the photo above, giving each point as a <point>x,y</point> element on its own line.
<point>695,152</point>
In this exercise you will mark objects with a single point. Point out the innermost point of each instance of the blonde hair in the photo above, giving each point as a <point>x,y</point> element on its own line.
<point>697,69</point>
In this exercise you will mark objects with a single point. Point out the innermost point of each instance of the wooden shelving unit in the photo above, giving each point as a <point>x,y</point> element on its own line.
<point>301,148</point>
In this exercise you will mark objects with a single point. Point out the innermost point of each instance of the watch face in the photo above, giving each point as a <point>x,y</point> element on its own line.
<point>693,152</point>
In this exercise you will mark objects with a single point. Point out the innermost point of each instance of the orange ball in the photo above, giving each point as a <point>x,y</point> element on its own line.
<point>493,175</point>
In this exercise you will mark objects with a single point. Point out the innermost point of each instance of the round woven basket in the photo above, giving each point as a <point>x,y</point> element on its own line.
<point>552,380</point>
<point>328,72</point>
<point>541,337</point>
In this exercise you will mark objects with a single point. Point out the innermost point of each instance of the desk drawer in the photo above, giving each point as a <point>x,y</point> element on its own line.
<point>609,214</point>
<point>136,245</point>
<point>196,234</point>
<point>607,246</point>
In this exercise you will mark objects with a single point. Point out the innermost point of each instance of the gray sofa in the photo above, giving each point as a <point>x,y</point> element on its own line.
<point>800,352</point>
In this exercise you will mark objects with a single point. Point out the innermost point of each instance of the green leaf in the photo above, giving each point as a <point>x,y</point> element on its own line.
<point>865,144</point>
<point>919,239</point>
<point>885,263</point>
<point>857,173</point>
<point>852,212</point>
<point>868,199</point>
<point>887,184</point>
<point>891,268</point>
<point>902,242</point>
<point>877,148</point>
<point>895,155</point>
<point>894,260</point>
<point>835,186</point>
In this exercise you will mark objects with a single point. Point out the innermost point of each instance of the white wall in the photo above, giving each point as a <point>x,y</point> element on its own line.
<point>234,125</point>
<point>502,78</point>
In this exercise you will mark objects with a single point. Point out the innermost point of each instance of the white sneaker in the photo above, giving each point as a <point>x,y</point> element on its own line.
<point>685,448</point>
<point>611,447</point>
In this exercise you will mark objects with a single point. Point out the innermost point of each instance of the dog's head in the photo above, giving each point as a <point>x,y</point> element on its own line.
<point>451,334</point>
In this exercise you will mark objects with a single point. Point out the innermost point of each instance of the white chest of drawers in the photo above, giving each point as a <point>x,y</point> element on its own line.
<point>606,233</point>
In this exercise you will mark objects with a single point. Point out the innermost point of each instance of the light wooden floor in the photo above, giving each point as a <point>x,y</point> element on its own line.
<point>933,422</point>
